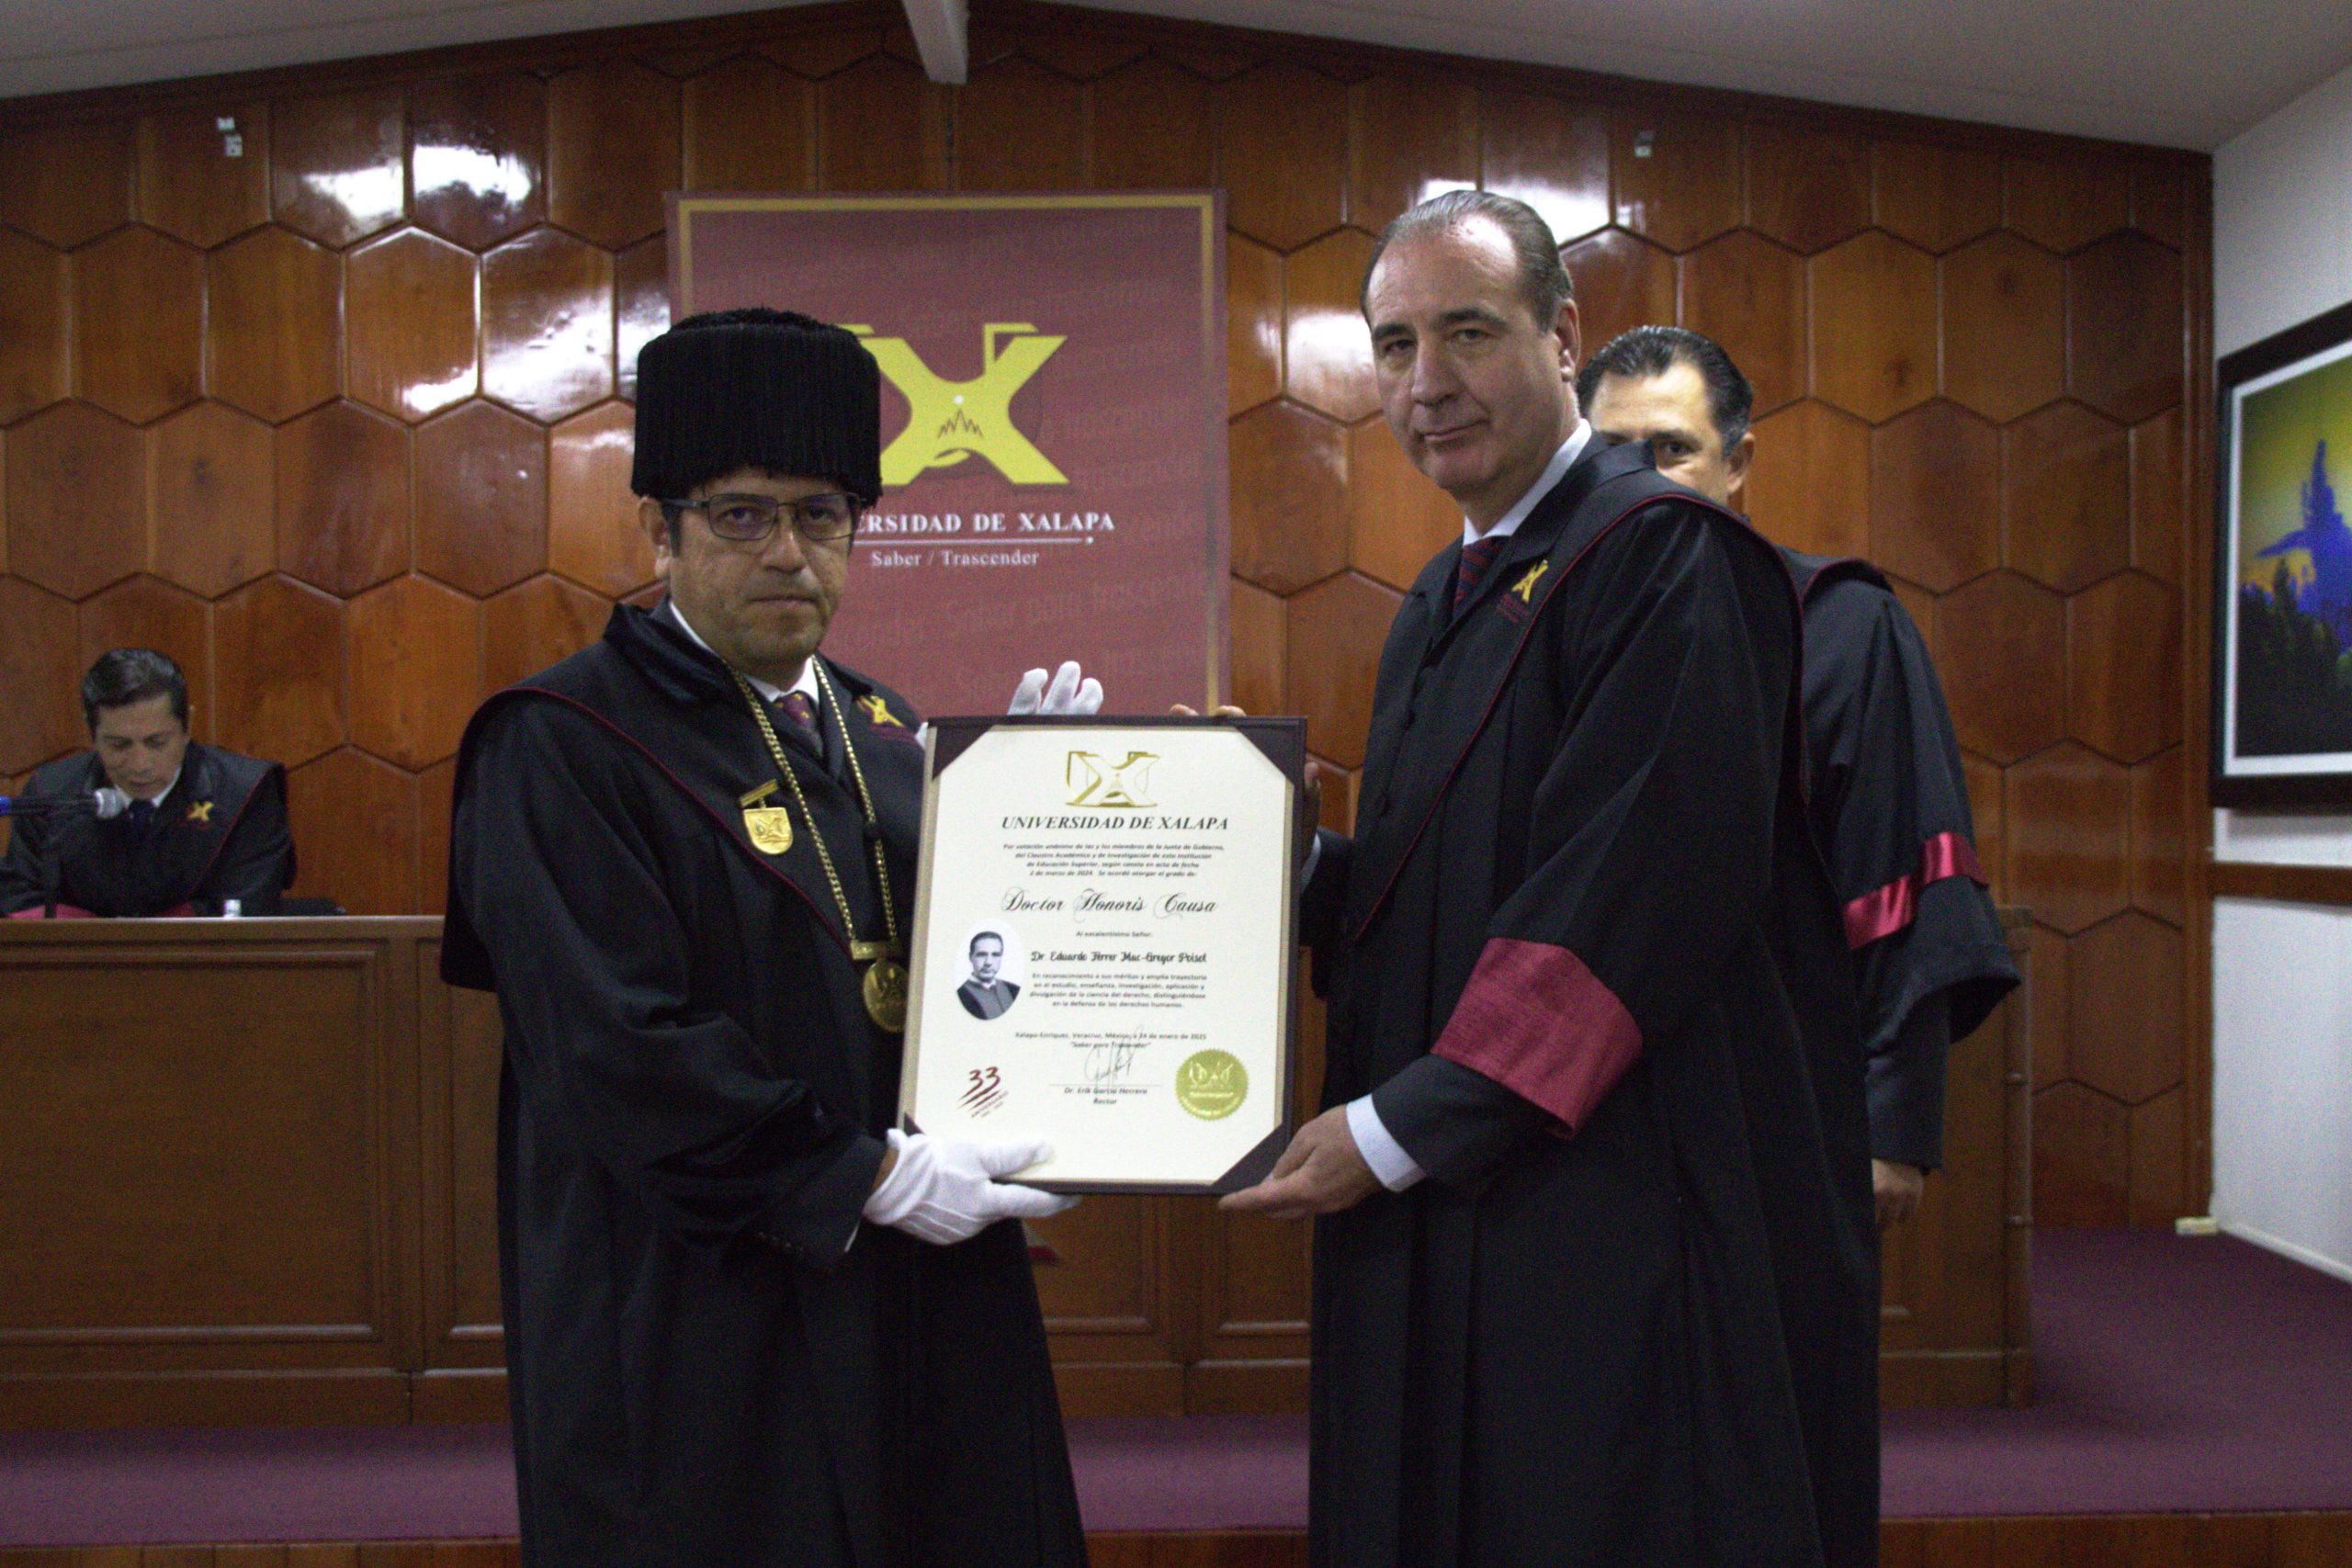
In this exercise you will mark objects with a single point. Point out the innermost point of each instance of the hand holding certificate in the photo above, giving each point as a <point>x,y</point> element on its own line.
<point>1103,946</point>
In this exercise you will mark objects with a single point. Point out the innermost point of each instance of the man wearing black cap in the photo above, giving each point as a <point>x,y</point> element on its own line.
<point>747,1321</point>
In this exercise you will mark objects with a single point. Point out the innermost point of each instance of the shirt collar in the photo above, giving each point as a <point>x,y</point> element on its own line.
<point>157,799</point>
<point>807,685</point>
<point>1562,461</point>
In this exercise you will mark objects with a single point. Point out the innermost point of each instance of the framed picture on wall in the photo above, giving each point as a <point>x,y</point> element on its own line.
<point>2282,568</point>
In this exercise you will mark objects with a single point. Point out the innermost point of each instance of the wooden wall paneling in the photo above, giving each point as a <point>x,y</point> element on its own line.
<point>77,499</point>
<point>410,320</point>
<point>277,660</point>
<point>1621,281</point>
<point>1119,1304</point>
<point>1807,188</point>
<point>2001,651</point>
<point>2123,298</point>
<point>593,533</point>
<point>213,494</point>
<point>1935,496</point>
<point>267,1278</point>
<point>1337,629</point>
<point>1550,153</point>
<point>337,160</point>
<point>2193,539</point>
<point>274,324</point>
<point>1749,295</point>
<point>67,182</point>
<point>1874,348</point>
<point>2159,796</point>
<point>1284,171</point>
<point>2063,203</point>
<point>2124,667</point>
<point>1809,486</point>
<point>613,150</point>
<point>341,496</point>
<point>355,825</point>
<point>2157,1192</point>
<point>749,124</point>
<point>434,807</point>
<point>1409,137</point>
<point>1289,506</point>
<point>1020,126</point>
<point>477,156</point>
<point>1149,125</point>
<point>1253,324</point>
<point>2003,305</point>
<point>2081,1158</point>
<point>2068,821</point>
<point>33,340</point>
<point>459,1045</point>
<point>2159,500</point>
<point>146,612</point>
<point>547,324</point>
<point>2125,1029</point>
<point>40,708</point>
<point>532,625</point>
<point>415,651</point>
<point>1676,175</point>
<point>881,125</point>
<point>481,498</point>
<point>137,323</point>
<point>1326,346</point>
<point>204,171</point>
<point>640,305</point>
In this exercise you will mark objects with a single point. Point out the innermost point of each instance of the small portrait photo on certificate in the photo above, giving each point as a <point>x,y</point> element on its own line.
<point>992,953</point>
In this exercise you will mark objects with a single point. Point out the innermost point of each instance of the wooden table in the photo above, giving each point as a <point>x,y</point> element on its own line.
<point>247,1176</point>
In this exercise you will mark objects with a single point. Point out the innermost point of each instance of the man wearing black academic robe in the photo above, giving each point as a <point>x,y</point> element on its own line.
<point>713,1361</point>
<point>219,832</point>
<point>1582,957</point>
<point>1890,808</point>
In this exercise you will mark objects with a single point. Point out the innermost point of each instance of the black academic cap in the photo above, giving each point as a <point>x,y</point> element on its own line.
<point>758,388</point>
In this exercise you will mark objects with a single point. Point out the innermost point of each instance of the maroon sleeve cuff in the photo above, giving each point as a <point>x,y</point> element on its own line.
<point>1538,1022</point>
<point>1882,911</point>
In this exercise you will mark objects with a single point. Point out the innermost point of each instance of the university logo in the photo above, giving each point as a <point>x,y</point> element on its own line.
<point>950,420</point>
<point>1095,782</point>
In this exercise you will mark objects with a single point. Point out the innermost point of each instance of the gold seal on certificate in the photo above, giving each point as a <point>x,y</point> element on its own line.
<point>1103,946</point>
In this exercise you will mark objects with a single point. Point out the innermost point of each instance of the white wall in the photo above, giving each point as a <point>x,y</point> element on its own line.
<point>2282,973</point>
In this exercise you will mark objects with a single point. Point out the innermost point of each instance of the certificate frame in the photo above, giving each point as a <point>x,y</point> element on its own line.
<point>1283,743</point>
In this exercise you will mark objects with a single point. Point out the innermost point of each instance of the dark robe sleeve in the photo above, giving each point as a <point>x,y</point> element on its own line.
<point>594,965</point>
<point>254,866</point>
<point>1322,902</point>
<point>21,868</point>
<point>1651,850</point>
<point>1890,811</point>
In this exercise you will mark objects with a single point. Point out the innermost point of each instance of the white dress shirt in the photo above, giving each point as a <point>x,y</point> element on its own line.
<point>807,685</point>
<point>1395,1168</point>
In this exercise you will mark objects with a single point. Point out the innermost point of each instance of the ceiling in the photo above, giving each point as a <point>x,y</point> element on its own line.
<point>2183,72</point>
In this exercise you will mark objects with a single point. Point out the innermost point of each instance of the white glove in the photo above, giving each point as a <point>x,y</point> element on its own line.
<point>1067,694</point>
<point>944,1191</point>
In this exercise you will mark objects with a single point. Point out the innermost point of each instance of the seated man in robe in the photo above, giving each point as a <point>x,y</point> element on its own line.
<point>204,828</point>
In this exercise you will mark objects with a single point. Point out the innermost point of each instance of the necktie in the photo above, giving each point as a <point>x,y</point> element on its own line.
<point>1475,559</point>
<point>142,813</point>
<point>795,706</point>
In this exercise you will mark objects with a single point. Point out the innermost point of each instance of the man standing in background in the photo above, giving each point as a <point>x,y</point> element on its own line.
<point>1889,801</point>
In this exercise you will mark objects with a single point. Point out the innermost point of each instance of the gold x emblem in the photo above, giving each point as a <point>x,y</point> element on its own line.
<point>950,420</point>
<point>200,811</point>
<point>879,711</point>
<point>1525,586</point>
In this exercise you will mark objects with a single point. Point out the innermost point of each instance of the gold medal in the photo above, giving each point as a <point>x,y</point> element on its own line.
<point>770,827</point>
<point>886,995</point>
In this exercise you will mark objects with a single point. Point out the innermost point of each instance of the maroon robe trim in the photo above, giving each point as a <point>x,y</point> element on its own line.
<point>1886,910</point>
<point>1540,1023</point>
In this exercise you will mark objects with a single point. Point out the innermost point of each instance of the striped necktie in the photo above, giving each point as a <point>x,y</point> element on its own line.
<point>1475,559</point>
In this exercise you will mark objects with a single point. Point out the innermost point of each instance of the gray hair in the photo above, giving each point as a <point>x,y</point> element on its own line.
<point>1543,281</point>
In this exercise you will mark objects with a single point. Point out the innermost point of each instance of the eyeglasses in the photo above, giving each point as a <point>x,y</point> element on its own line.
<point>752,519</point>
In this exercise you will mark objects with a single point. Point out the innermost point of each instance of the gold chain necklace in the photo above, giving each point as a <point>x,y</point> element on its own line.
<point>885,984</point>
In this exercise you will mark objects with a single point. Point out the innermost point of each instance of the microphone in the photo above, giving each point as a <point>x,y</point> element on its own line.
<point>103,803</point>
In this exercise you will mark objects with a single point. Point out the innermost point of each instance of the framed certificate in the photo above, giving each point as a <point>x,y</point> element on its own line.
<point>1104,951</point>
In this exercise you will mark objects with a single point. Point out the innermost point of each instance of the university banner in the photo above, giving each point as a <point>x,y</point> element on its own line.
<point>1053,426</point>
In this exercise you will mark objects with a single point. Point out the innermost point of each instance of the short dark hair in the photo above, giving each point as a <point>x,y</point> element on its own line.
<point>1645,352</point>
<point>979,937</point>
<point>126,675</point>
<point>1542,280</point>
